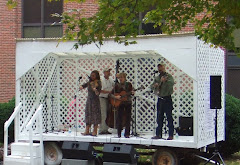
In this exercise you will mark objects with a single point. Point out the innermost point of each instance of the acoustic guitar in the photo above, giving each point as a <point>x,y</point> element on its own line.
<point>116,102</point>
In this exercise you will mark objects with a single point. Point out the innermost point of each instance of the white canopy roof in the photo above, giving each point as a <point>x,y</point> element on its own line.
<point>178,49</point>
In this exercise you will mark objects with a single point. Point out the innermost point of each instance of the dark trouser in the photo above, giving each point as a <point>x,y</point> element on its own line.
<point>124,111</point>
<point>164,105</point>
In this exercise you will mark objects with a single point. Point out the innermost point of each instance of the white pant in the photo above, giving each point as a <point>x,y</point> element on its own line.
<point>104,106</point>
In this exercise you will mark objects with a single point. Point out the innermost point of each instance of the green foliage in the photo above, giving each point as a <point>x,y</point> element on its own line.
<point>117,18</point>
<point>6,109</point>
<point>11,4</point>
<point>231,145</point>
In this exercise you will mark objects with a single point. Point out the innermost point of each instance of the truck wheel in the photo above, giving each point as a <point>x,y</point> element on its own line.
<point>165,157</point>
<point>52,154</point>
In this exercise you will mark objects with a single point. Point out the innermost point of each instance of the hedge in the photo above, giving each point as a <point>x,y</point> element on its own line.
<point>6,109</point>
<point>231,144</point>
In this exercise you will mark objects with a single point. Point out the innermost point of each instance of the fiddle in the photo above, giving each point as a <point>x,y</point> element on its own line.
<point>157,86</point>
<point>94,85</point>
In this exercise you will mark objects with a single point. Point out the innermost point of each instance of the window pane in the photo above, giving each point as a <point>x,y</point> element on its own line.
<point>149,29</point>
<point>53,31</point>
<point>32,32</point>
<point>32,11</point>
<point>51,8</point>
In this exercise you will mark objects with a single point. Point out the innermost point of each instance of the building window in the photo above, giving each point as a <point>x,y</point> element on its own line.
<point>148,28</point>
<point>37,21</point>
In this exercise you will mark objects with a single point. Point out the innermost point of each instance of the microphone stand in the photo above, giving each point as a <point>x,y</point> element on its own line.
<point>135,118</point>
<point>52,122</point>
<point>46,127</point>
<point>114,91</point>
<point>75,105</point>
<point>216,152</point>
<point>155,106</point>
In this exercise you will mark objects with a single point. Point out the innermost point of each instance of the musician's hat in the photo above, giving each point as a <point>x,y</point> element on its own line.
<point>107,69</point>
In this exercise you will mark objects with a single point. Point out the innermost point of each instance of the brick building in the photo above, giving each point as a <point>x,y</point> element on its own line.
<point>31,19</point>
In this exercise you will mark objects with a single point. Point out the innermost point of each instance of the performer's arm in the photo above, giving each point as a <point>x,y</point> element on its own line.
<point>104,91</point>
<point>83,86</point>
<point>154,85</point>
<point>99,87</point>
<point>112,93</point>
<point>170,81</point>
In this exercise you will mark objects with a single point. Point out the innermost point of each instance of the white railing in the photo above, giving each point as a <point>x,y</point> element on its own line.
<point>30,114</point>
<point>37,115</point>
<point>6,126</point>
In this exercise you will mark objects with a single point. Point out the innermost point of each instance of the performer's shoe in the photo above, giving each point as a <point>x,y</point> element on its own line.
<point>93,134</point>
<point>156,137</point>
<point>86,134</point>
<point>87,131</point>
<point>104,133</point>
<point>127,136</point>
<point>170,138</point>
<point>100,133</point>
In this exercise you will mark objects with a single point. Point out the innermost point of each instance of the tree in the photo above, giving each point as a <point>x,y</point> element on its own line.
<point>117,18</point>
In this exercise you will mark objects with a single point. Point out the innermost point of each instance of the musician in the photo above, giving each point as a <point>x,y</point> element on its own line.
<point>163,87</point>
<point>124,109</point>
<point>93,110</point>
<point>107,86</point>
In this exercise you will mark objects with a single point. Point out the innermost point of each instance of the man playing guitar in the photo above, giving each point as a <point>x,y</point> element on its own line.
<point>123,91</point>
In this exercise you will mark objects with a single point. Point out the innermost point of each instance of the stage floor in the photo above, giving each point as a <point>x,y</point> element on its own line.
<point>141,139</point>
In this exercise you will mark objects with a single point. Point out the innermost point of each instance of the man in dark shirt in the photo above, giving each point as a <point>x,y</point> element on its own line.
<point>163,88</point>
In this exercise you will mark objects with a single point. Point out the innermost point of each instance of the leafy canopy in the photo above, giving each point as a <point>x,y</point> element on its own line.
<point>119,19</point>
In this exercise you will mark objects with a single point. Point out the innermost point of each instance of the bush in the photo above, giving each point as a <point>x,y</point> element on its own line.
<point>231,144</point>
<point>6,109</point>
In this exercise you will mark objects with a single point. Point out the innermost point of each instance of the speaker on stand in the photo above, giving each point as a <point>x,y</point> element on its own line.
<point>215,103</point>
<point>215,92</point>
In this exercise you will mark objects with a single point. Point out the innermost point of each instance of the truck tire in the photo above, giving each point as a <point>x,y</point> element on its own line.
<point>52,154</point>
<point>165,156</point>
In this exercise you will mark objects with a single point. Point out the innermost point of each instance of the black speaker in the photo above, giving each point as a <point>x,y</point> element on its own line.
<point>215,92</point>
<point>119,153</point>
<point>78,150</point>
<point>185,126</point>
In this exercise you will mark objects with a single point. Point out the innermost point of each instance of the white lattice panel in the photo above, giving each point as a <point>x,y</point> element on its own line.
<point>59,85</point>
<point>210,62</point>
<point>37,87</point>
<point>73,110</point>
<point>58,81</point>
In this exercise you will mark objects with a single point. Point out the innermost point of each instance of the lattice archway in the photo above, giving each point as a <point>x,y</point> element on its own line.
<point>55,83</point>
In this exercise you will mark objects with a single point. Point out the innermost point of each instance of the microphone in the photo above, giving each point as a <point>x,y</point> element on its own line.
<point>45,97</point>
<point>79,78</point>
<point>89,77</point>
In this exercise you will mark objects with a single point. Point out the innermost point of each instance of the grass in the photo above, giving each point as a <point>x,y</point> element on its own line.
<point>231,160</point>
<point>145,157</point>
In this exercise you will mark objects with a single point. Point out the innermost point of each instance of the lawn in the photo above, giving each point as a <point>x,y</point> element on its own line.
<point>232,160</point>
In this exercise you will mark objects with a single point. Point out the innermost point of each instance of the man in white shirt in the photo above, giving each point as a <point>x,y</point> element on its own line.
<point>107,86</point>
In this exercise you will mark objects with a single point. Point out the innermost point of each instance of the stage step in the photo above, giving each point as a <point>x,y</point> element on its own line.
<point>20,154</point>
<point>21,160</point>
<point>23,149</point>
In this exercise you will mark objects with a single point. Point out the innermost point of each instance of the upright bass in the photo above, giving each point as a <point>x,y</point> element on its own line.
<point>111,114</point>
